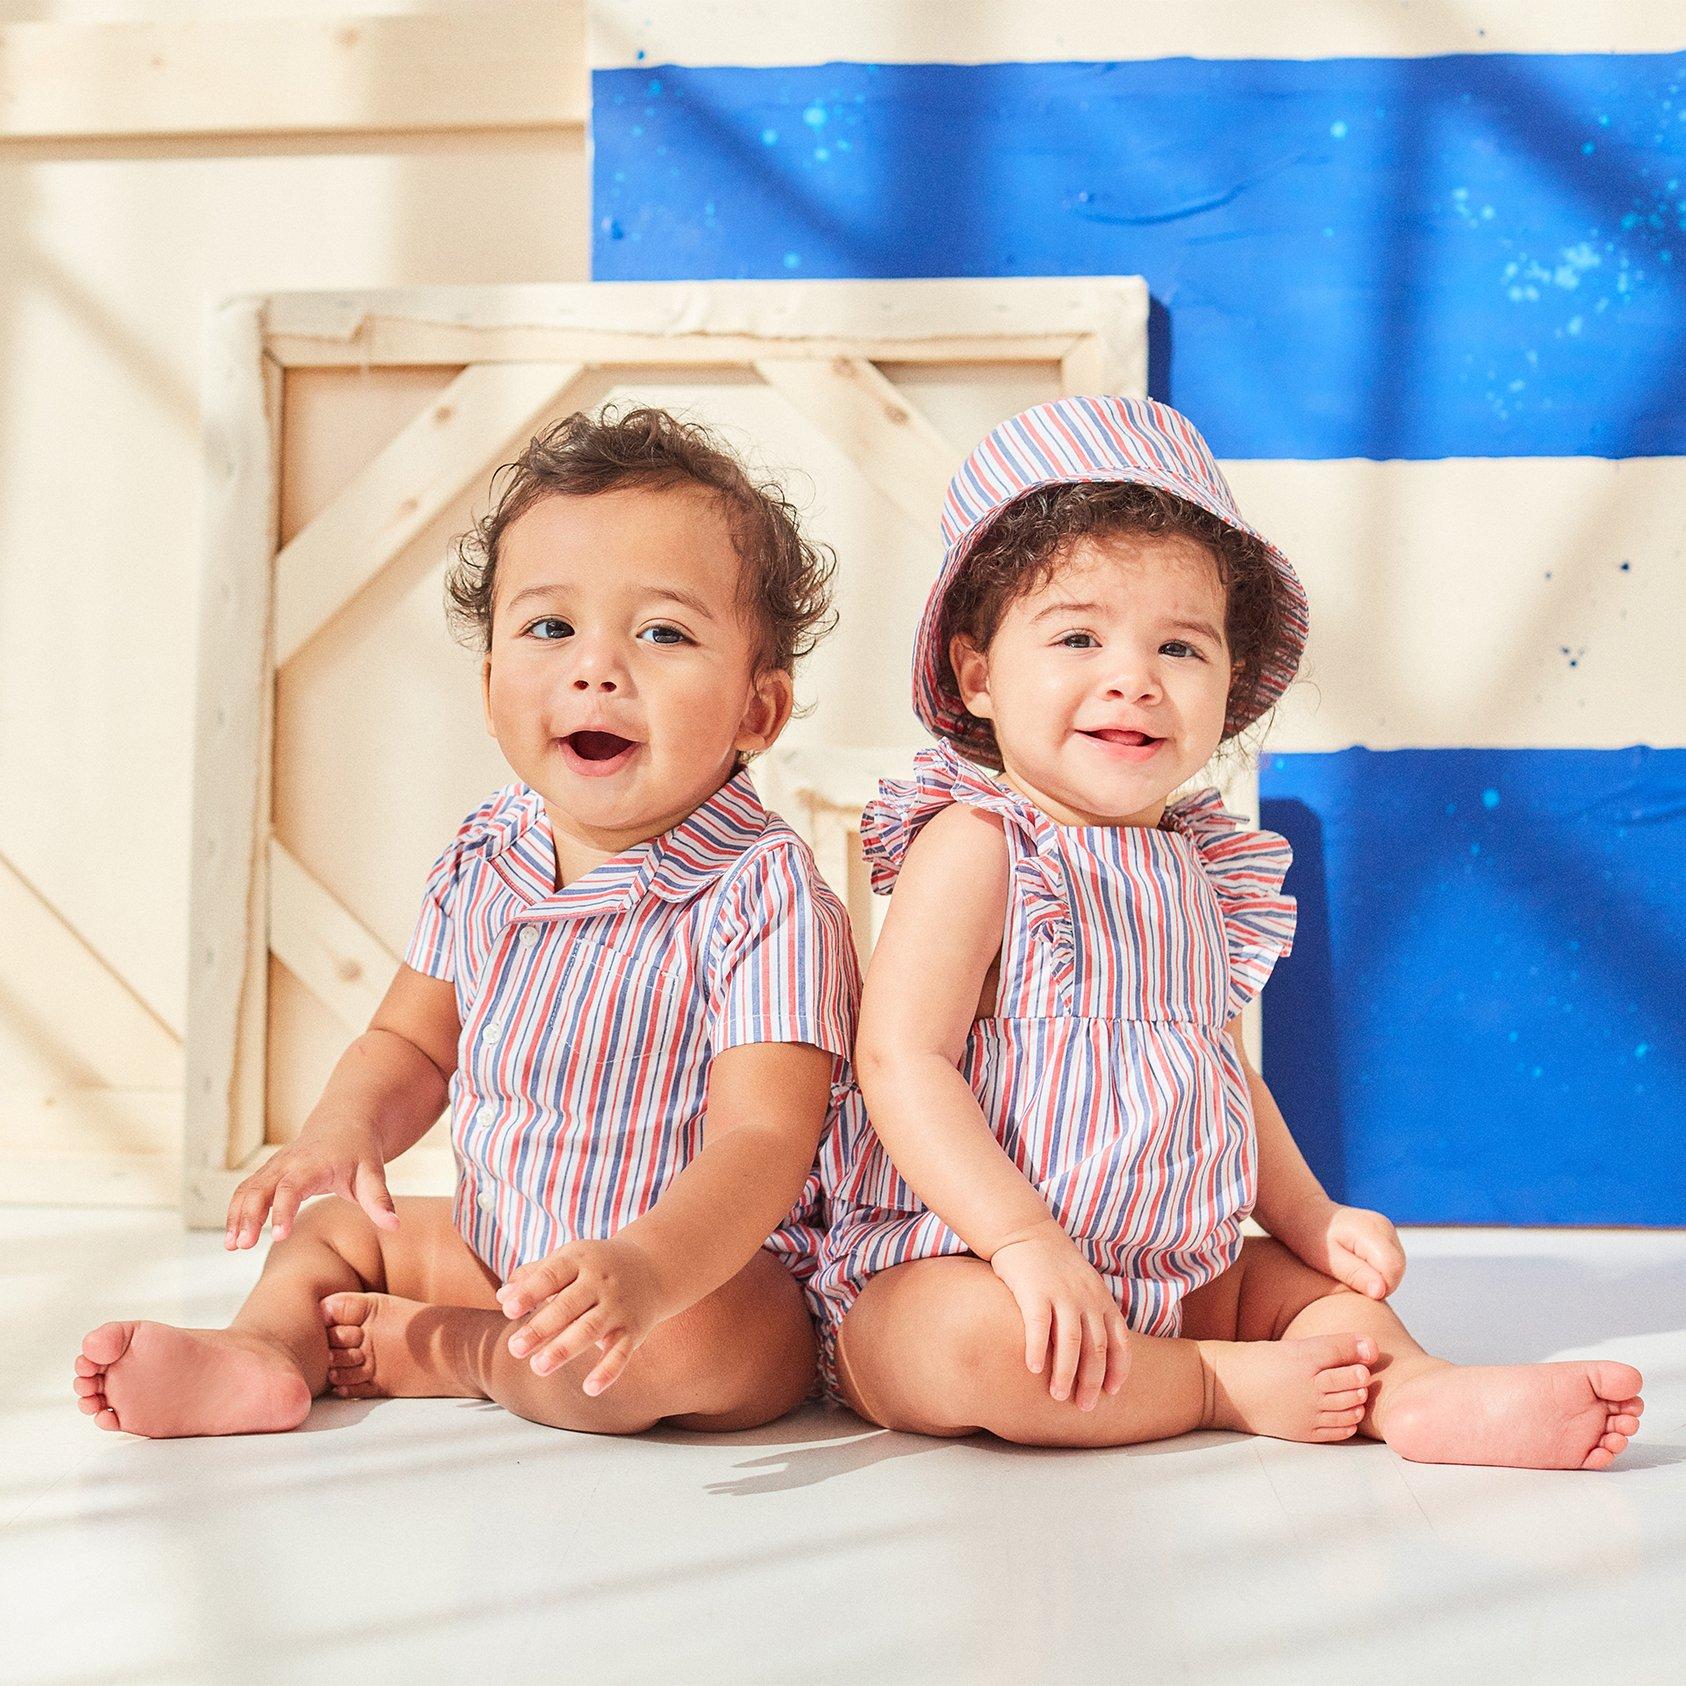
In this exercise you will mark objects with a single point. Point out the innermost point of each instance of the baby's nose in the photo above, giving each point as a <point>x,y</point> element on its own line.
<point>583,683</point>
<point>1135,682</point>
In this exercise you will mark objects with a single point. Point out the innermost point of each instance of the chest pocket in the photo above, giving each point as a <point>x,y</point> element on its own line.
<point>620,1006</point>
<point>564,1005</point>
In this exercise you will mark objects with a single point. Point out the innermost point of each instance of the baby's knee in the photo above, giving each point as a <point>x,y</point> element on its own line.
<point>977,1367</point>
<point>344,1229</point>
<point>562,1403</point>
<point>733,1357</point>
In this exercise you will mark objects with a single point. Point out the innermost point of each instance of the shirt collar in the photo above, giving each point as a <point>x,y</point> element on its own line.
<point>675,866</point>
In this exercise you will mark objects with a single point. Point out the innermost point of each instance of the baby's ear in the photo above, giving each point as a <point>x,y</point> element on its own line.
<point>772,697</point>
<point>971,675</point>
<point>486,693</point>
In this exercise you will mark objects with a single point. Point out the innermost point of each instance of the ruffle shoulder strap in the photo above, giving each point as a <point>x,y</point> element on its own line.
<point>1246,869</point>
<point>942,777</point>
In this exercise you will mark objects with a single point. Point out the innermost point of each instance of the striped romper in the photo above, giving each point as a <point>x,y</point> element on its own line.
<point>590,1014</point>
<point>1105,1070</point>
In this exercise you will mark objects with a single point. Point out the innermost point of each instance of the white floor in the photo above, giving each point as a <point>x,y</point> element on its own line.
<point>443,1540</point>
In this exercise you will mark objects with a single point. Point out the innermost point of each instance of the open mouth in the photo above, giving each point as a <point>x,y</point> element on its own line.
<point>597,752</point>
<point>597,746</point>
<point>1132,744</point>
<point>1125,739</point>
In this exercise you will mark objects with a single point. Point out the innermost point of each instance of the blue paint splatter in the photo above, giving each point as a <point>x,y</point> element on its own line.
<point>814,117</point>
<point>1338,130</point>
<point>1485,952</point>
<point>1483,149</point>
<point>1489,798</point>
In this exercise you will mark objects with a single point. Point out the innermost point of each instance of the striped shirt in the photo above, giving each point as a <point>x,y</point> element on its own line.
<point>1105,1070</point>
<point>590,1014</point>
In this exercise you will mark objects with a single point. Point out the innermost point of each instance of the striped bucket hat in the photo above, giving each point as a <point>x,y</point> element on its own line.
<point>1071,440</point>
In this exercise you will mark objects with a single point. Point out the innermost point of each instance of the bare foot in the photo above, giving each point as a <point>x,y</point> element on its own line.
<point>382,1347</point>
<point>160,1381</point>
<point>1311,1389</point>
<point>1523,1416</point>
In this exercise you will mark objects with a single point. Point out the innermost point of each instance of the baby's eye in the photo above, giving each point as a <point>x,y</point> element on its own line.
<point>548,628</point>
<point>1177,647</point>
<point>662,633</point>
<point>1079,641</point>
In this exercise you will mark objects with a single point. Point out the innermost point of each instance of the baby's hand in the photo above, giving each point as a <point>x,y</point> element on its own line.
<point>1065,1303</point>
<point>1360,1248</point>
<point>340,1156</point>
<point>606,1294</point>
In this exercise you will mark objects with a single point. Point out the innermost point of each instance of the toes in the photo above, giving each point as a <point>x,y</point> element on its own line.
<point>92,1405</point>
<point>1615,1382</point>
<point>1332,1351</point>
<point>340,1335</point>
<point>1349,1418</point>
<point>1344,1401</point>
<point>86,1386</point>
<point>1634,1407</point>
<point>1344,1379</point>
<point>107,1419</point>
<point>354,1390</point>
<point>1605,1453</point>
<point>106,1344</point>
<point>1335,1432</point>
<point>85,1366</point>
<point>350,1309</point>
<point>347,1366</point>
<point>1622,1423</point>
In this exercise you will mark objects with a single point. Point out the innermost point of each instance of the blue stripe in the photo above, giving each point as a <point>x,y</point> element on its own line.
<point>1481,1021</point>
<point>1458,256</point>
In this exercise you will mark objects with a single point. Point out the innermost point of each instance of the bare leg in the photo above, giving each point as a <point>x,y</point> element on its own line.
<point>739,1358</point>
<point>259,1375</point>
<point>937,1347</point>
<point>1538,1416</point>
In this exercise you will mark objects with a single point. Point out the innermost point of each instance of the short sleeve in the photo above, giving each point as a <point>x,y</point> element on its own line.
<point>1246,869</point>
<point>781,963</point>
<point>432,946</point>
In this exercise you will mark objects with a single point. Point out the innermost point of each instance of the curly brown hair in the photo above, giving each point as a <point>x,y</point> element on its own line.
<point>784,589</point>
<point>1035,533</point>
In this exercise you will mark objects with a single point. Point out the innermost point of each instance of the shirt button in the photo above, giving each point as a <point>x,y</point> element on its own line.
<point>484,1201</point>
<point>485,1114</point>
<point>527,935</point>
<point>492,1030</point>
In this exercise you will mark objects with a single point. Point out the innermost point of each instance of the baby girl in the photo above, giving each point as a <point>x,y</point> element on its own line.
<point>1037,1214</point>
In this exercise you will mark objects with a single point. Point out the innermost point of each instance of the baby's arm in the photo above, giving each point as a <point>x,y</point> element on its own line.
<point>941,935</point>
<point>1355,1246</point>
<point>767,1104</point>
<point>387,1089</point>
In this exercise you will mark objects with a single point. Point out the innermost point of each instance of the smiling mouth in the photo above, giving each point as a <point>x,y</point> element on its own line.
<point>1128,740</point>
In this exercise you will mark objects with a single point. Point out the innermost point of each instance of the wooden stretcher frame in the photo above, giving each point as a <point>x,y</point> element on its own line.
<point>519,350</point>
